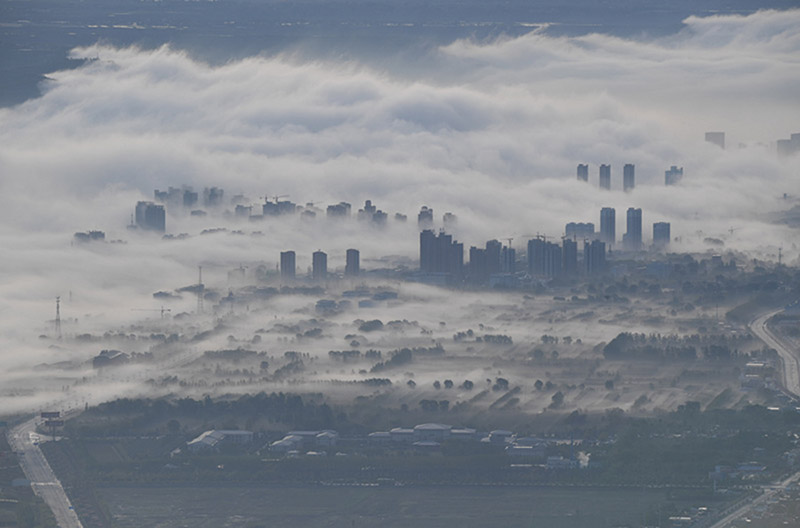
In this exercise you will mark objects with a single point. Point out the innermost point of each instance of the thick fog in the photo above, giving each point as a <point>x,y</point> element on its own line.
<point>489,131</point>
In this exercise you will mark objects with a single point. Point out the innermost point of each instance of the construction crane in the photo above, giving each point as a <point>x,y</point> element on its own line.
<point>162,310</point>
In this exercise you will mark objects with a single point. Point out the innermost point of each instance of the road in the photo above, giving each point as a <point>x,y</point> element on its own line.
<point>788,354</point>
<point>769,492</point>
<point>24,441</point>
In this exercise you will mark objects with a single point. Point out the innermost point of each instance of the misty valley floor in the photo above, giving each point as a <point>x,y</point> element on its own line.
<point>464,506</point>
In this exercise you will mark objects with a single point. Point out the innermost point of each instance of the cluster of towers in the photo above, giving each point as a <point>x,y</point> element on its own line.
<point>319,265</point>
<point>628,176</point>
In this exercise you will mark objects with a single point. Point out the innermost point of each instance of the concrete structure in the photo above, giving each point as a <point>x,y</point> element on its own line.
<point>787,147</point>
<point>440,253</point>
<point>594,256</point>
<point>628,177</point>
<point>579,230</point>
<point>605,177</point>
<point>632,240</point>
<point>661,236</point>
<point>150,217</point>
<point>608,226</point>
<point>319,265</point>
<point>352,263</point>
<point>425,218</point>
<point>673,175</point>
<point>569,256</point>
<point>288,265</point>
<point>717,138</point>
<point>583,172</point>
<point>544,258</point>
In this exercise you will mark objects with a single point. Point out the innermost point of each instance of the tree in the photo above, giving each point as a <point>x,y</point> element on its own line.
<point>539,384</point>
<point>467,385</point>
<point>437,385</point>
<point>448,384</point>
<point>610,384</point>
<point>557,400</point>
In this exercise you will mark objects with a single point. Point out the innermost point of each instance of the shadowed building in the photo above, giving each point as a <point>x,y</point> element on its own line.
<point>583,172</point>
<point>569,256</point>
<point>288,264</point>
<point>594,256</point>
<point>579,230</point>
<point>352,264</point>
<point>544,258</point>
<point>440,253</point>
<point>632,241</point>
<point>628,177</point>
<point>319,265</point>
<point>673,175</point>
<point>150,216</point>
<point>661,235</point>
<point>605,177</point>
<point>717,138</point>
<point>608,226</point>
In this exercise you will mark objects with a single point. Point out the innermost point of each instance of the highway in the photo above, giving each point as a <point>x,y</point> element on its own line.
<point>769,492</point>
<point>24,441</point>
<point>789,356</point>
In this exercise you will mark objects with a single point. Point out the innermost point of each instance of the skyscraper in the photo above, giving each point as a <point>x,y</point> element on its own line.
<point>544,258</point>
<point>440,253</point>
<point>661,236</point>
<point>425,218</point>
<point>717,138</point>
<point>352,265</point>
<point>594,256</point>
<point>605,177</point>
<point>579,230</point>
<point>628,177</point>
<point>583,172</point>
<point>287,264</point>
<point>608,226</point>
<point>569,256</point>
<point>633,236</point>
<point>150,216</point>
<point>494,250</point>
<point>673,175</point>
<point>319,265</point>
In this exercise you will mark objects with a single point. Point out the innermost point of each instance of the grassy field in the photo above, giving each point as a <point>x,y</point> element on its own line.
<point>421,507</point>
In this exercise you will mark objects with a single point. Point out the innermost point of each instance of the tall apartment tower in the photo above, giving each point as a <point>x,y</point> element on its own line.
<point>352,265</point>
<point>661,235</point>
<point>288,264</point>
<point>717,138</point>
<point>605,177</point>
<point>628,177</point>
<point>319,265</point>
<point>569,255</point>
<point>583,172</point>
<point>594,256</point>
<point>608,226</point>
<point>440,253</point>
<point>150,216</point>
<point>673,175</point>
<point>633,236</point>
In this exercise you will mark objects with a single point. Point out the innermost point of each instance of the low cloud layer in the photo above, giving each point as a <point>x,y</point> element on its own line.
<point>491,132</point>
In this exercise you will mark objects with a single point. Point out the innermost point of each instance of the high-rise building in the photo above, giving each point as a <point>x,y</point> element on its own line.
<point>569,256</point>
<point>605,177</point>
<point>288,264</point>
<point>340,210</point>
<point>673,175</point>
<point>579,230</point>
<point>594,256</point>
<point>508,260</point>
<point>150,216</point>
<point>633,235</point>
<point>661,236</point>
<point>319,265</point>
<point>449,221</point>
<point>787,147</point>
<point>478,266</point>
<point>440,253</point>
<point>212,197</point>
<point>717,138</point>
<point>544,258</point>
<point>494,250</point>
<point>608,226</point>
<point>352,265</point>
<point>628,177</point>
<point>583,172</point>
<point>425,218</point>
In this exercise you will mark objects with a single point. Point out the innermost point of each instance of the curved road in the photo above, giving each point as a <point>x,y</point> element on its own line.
<point>788,353</point>
<point>24,441</point>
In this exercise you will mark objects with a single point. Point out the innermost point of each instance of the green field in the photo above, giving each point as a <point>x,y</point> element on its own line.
<point>421,507</point>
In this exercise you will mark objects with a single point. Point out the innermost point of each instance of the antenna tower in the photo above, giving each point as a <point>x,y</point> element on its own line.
<point>58,317</point>
<point>200,289</point>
